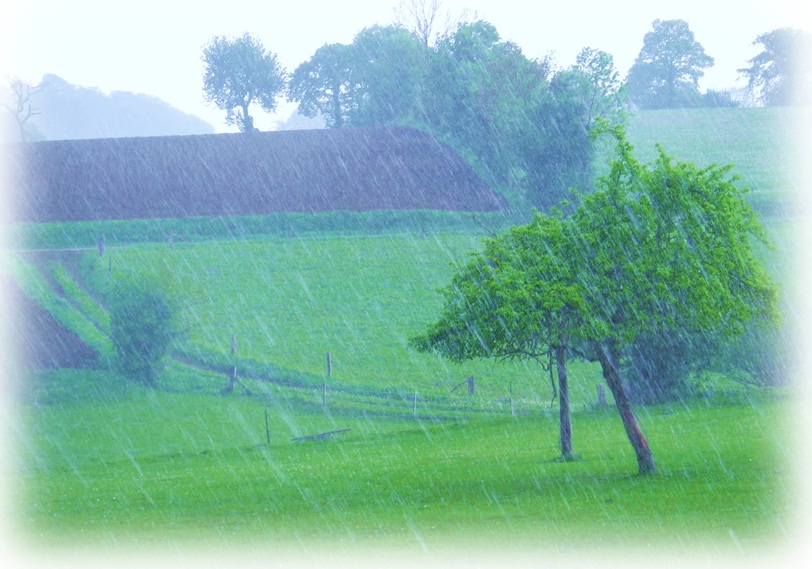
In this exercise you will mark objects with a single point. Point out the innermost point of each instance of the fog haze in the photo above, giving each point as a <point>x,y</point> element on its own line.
<point>154,47</point>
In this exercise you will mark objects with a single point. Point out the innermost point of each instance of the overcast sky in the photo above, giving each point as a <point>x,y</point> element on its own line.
<point>154,46</point>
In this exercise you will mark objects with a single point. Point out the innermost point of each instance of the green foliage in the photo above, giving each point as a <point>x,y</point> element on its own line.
<point>781,74</point>
<point>513,300</point>
<point>599,87</point>
<point>654,257</point>
<point>143,325</point>
<point>556,148</point>
<point>285,225</point>
<point>238,73</point>
<point>479,90</point>
<point>324,85</point>
<point>475,92</point>
<point>374,81</point>
<point>666,72</point>
<point>670,247</point>
<point>389,68</point>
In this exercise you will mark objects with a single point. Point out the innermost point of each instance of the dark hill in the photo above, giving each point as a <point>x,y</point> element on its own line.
<point>41,341</point>
<point>243,174</point>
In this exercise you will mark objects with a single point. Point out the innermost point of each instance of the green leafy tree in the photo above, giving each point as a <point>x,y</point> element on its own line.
<point>781,74</point>
<point>599,88</point>
<point>555,146</point>
<point>556,138</point>
<point>655,250</point>
<point>376,80</point>
<point>666,72</point>
<point>666,249</point>
<point>515,300</point>
<point>389,63</point>
<point>327,85</point>
<point>479,91</point>
<point>240,72</point>
<point>144,321</point>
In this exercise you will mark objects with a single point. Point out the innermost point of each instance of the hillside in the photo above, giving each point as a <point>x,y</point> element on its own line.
<point>67,112</point>
<point>415,463</point>
<point>756,141</point>
<point>244,174</point>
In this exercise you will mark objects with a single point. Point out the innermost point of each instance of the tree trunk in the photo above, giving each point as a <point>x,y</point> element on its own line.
<point>609,357</point>
<point>247,120</point>
<point>336,104</point>
<point>565,425</point>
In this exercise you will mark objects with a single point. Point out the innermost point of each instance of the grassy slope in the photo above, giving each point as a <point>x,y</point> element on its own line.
<point>176,463</point>
<point>289,302</point>
<point>756,141</point>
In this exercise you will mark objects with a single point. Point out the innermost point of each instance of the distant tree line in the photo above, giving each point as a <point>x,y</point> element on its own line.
<point>523,124</point>
<point>509,116</point>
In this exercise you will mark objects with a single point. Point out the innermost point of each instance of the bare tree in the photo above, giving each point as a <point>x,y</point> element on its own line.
<point>19,103</point>
<point>424,18</point>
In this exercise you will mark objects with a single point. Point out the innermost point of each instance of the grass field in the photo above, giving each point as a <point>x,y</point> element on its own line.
<point>156,467</point>
<point>758,143</point>
<point>99,464</point>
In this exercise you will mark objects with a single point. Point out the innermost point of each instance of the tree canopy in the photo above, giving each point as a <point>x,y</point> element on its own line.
<point>522,126</point>
<point>781,74</point>
<point>326,85</point>
<point>657,249</point>
<point>517,299</point>
<point>666,72</point>
<point>240,72</point>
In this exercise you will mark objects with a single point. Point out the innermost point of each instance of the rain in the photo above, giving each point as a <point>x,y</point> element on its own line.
<point>470,302</point>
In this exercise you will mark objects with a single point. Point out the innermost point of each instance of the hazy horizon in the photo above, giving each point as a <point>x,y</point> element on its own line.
<point>155,47</point>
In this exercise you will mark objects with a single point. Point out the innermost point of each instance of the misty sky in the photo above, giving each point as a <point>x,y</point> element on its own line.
<point>154,47</point>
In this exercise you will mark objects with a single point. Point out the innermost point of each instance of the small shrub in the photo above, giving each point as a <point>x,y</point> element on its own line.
<point>143,324</point>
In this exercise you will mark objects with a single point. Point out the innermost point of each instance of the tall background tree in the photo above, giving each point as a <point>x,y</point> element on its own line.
<point>326,85</point>
<point>424,18</point>
<point>521,126</point>
<point>781,74</point>
<point>666,72</point>
<point>239,72</point>
<point>599,87</point>
<point>390,65</point>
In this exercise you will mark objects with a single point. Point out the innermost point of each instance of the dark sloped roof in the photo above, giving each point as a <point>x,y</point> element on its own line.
<point>244,174</point>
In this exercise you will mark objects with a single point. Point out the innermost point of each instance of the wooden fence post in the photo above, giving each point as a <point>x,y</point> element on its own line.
<point>233,378</point>
<point>267,429</point>
<point>329,365</point>
<point>414,403</point>
<point>324,394</point>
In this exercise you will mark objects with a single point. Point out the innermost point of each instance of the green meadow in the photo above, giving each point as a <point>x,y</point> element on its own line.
<point>408,456</point>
